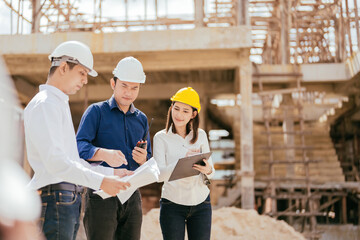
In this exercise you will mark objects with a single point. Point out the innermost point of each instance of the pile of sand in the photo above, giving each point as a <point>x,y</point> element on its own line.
<point>230,224</point>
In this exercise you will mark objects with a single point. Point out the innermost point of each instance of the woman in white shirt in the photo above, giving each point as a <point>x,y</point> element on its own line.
<point>186,201</point>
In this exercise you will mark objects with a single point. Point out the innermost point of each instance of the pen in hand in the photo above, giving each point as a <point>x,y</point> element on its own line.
<point>206,180</point>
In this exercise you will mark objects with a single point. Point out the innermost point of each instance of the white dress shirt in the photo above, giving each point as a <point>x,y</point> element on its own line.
<point>51,143</point>
<point>168,149</point>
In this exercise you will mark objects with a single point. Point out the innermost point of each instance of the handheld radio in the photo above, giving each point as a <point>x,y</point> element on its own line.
<point>142,143</point>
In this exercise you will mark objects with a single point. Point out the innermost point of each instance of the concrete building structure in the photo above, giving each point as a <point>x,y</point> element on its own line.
<point>293,118</point>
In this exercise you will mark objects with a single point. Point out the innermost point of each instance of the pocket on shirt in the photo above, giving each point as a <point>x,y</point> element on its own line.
<point>66,198</point>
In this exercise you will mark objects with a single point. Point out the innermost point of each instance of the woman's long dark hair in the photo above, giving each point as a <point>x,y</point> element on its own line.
<point>193,124</point>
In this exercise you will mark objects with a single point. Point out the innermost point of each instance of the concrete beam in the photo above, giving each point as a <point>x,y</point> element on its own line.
<point>159,61</point>
<point>324,72</point>
<point>173,60</point>
<point>152,91</point>
<point>141,41</point>
<point>309,73</point>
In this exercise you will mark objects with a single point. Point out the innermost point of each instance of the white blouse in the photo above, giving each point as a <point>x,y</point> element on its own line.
<point>168,149</point>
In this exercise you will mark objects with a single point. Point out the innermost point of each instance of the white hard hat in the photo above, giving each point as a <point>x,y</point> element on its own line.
<point>75,52</point>
<point>129,69</point>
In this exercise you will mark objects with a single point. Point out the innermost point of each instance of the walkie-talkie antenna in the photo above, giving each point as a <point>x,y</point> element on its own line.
<point>146,133</point>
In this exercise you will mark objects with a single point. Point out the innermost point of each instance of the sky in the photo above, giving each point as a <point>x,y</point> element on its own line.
<point>113,9</point>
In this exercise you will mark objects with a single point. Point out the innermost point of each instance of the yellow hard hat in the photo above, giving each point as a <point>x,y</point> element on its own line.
<point>188,96</point>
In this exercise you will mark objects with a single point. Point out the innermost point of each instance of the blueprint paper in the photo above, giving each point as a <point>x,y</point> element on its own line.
<point>144,175</point>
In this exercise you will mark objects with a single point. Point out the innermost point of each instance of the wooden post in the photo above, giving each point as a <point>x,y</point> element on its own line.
<point>18,18</point>
<point>243,12</point>
<point>86,98</point>
<point>204,100</point>
<point>348,18</point>
<point>343,210</point>
<point>342,34</point>
<point>327,217</point>
<point>285,25</point>
<point>199,13</point>
<point>288,126</point>
<point>36,14</point>
<point>357,23</point>
<point>290,202</point>
<point>127,14</point>
<point>246,129</point>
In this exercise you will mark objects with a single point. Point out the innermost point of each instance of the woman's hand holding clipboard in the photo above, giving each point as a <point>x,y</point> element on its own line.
<point>184,167</point>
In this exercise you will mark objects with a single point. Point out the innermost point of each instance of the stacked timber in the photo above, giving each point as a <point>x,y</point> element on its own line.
<point>319,151</point>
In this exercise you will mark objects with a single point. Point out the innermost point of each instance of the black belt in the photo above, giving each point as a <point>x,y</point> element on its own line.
<point>62,186</point>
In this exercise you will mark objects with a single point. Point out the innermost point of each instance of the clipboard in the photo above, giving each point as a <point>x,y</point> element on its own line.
<point>184,168</point>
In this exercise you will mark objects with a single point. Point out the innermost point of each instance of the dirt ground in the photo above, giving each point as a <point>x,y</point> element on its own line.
<point>231,223</point>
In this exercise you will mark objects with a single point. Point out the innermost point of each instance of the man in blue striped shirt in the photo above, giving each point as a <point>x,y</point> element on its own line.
<point>108,133</point>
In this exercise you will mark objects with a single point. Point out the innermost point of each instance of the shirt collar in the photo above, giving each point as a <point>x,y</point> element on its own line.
<point>187,138</point>
<point>113,104</point>
<point>54,90</point>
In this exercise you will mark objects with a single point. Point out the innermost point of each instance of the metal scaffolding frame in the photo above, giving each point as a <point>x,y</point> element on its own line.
<point>283,31</point>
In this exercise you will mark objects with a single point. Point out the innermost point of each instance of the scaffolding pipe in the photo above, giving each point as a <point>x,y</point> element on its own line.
<point>348,26</point>
<point>356,10</point>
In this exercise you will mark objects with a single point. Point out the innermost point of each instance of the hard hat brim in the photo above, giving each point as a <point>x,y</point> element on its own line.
<point>93,73</point>
<point>131,80</point>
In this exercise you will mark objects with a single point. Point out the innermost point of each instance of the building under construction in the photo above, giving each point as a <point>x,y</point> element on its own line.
<point>278,80</point>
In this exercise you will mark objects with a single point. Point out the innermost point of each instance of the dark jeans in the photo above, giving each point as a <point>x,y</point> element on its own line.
<point>109,219</point>
<point>174,217</point>
<point>60,214</point>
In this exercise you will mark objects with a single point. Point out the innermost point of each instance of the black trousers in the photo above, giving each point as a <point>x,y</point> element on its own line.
<point>109,219</point>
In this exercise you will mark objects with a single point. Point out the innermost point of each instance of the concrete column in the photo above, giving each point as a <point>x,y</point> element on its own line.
<point>199,13</point>
<point>244,76</point>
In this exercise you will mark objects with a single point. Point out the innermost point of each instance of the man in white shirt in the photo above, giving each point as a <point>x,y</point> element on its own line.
<point>51,144</point>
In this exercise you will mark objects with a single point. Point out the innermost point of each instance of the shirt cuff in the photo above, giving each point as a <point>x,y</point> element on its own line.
<point>96,180</point>
<point>209,176</point>
<point>92,152</point>
<point>109,171</point>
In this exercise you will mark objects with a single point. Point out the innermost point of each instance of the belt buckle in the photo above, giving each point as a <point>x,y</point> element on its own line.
<point>79,189</point>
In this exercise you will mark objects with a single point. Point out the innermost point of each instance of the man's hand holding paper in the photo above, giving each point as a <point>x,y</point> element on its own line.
<point>146,174</point>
